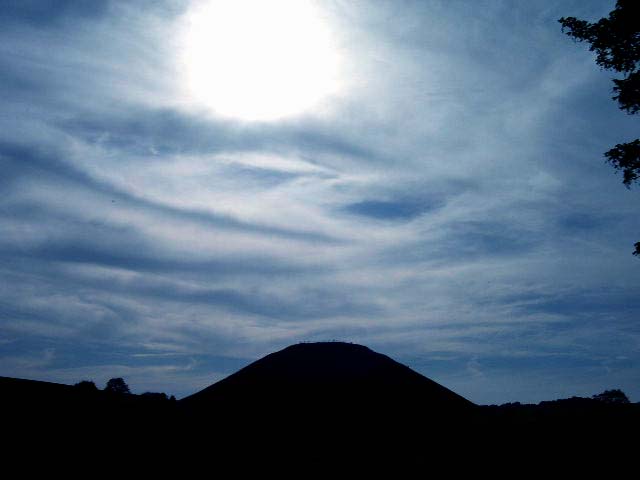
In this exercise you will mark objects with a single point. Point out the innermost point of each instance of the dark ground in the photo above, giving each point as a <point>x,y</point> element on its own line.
<point>307,409</point>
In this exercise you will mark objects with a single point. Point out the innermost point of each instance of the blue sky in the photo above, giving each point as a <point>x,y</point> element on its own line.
<point>448,205</point>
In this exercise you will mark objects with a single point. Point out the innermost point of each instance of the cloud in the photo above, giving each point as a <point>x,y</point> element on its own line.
<point>450,209</point>
<point>387,210</point>
<point>48,14</point>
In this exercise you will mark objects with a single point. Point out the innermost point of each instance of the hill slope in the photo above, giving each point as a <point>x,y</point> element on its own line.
<point>329,377</point>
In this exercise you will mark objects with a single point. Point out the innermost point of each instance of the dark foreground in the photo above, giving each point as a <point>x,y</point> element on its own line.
<point>303,412</point>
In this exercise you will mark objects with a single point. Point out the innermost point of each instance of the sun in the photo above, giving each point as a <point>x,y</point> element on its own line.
<point>258,60</point>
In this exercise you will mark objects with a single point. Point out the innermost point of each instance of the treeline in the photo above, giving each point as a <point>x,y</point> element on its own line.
<point>117,386</point>
<point>606,413</point>
<point>608,397</point>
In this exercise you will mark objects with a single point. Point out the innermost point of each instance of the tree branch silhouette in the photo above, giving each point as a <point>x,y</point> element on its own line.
<point>616,43</point>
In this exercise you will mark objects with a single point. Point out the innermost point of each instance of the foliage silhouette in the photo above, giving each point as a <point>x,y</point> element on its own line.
<point>117,385</point>
<point>612,396</point>
<point>86,386</point>
<point>616,42</point>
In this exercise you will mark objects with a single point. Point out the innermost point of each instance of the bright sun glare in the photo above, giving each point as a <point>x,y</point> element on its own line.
<point>259,60</point>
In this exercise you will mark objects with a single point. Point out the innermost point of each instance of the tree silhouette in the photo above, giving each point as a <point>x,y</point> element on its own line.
<point>117,385</point>
<point>86,386</point>
<point>616,42</point>
<point>612,396</point>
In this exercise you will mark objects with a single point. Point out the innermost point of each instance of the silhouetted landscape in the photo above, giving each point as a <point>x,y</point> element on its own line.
<point>331,403</point>
<point>187,184</point>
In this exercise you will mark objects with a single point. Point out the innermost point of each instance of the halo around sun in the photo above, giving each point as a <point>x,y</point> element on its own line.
<point>258,60</point>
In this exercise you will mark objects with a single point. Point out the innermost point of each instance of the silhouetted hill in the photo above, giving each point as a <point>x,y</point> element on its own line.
<point>43,396</point>
<point>42,399</point>
<point>329,402</point>
<point>14,389</point>
<point>34,406</point>
<point>328,375</point>
<point>311,405</point>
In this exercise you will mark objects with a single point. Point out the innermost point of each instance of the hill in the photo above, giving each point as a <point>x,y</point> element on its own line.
<point>322,404</point>
<point>329,402</point>
<point>330,376</point>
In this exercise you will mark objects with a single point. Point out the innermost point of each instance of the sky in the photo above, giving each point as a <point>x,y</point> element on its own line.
<point>186,188</point>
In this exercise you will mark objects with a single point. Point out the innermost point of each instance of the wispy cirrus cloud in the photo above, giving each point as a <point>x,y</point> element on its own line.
<point>450,209</point>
